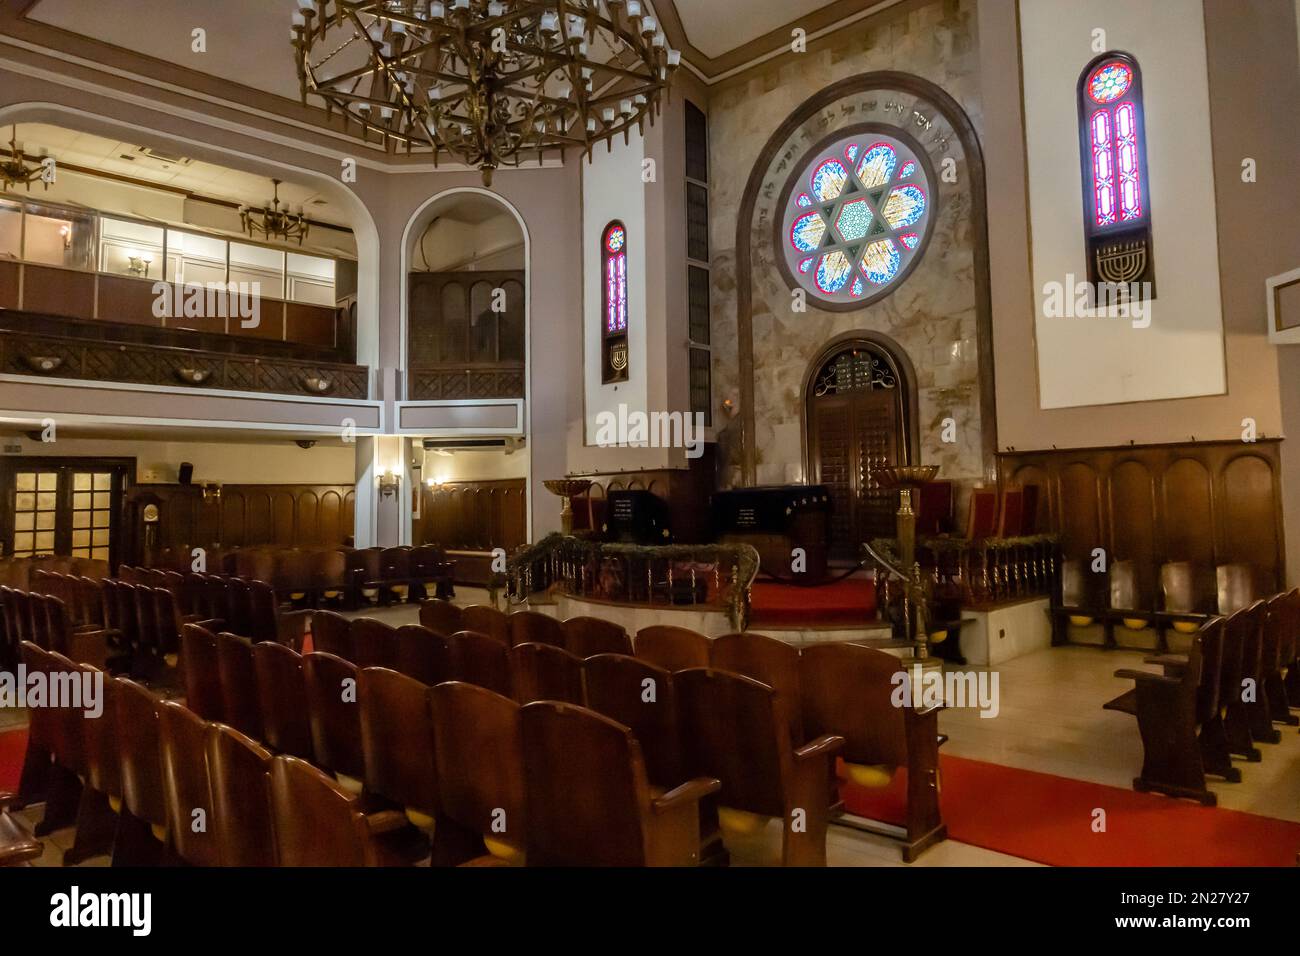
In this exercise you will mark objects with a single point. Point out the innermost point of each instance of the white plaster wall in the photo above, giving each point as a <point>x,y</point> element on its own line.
<point>612,189</point>
<point>1101,360</point>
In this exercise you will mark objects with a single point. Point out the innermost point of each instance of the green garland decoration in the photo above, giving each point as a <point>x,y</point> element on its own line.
<point>740,556</point>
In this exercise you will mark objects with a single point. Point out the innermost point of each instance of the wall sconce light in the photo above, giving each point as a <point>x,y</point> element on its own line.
<point>138,263</point>
<point>65,231</point>
<point>728,407</point>
<point>388,484</point>
<point>211,491</point>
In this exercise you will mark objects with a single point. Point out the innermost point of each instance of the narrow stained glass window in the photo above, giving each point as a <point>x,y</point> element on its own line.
<point>613,253</point>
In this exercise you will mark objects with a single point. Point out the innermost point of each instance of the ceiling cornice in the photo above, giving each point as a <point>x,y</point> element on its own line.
<point>772,45</point>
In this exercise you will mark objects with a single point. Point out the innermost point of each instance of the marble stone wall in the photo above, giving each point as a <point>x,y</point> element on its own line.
<point>931,313</point>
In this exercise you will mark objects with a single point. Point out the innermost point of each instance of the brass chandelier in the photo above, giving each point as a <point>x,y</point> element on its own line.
<point>14,171</point>
<point>272,223</point>
<point>484,81</point>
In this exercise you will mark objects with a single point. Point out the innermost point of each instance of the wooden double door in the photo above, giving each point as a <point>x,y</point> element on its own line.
<point>856,420</point>
<point>62,506</point>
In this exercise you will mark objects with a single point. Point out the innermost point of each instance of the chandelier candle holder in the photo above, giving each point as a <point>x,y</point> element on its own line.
<point>484,82</point>
<point>15,171</point>
<point>272,223</point>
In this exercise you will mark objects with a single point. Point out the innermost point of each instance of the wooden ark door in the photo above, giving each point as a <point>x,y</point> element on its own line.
<point>856,426</point>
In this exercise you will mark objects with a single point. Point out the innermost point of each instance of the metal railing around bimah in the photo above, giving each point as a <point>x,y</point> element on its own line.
<point>982,571</point>
<point>53,356</point>
<point>700,576</point>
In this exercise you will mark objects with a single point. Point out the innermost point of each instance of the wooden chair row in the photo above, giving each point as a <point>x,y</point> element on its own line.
<point>1188,596</point>
<point>1216,702</point>
<point>581,636</point>
<point>45,621</point>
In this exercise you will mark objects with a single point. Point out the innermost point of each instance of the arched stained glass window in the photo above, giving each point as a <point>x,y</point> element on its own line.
<point>613,259</point>
<point>1116,190</point>
<point>857,217</point>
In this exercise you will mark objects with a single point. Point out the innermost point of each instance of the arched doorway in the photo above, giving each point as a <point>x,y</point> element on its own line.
<point>859,417</point>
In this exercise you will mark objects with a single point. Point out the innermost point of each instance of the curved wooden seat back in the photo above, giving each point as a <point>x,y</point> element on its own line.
<point>240,707</point>
<point>185,784</point>
<point>1252,644</point>
<point>103,759</point>
<point>282,699</point>
<point>331,633</point>
<point>479,752</point>
<point>1273,636</point>
<point>848,690</point>
<point>441,617</point>
<point>586,785</point>
<point>1236,636</point>
<point>255,564</point>
<point>673,648</point>
<point>335,717</point>
<point>167,615</point>
<point>264,607</point>
<point>397,739</point>
<point>291,571</point>
<point>533,627</point>
<point>768,661</point>
<point>146,621</point>
<point>317,822</point>
<point>487,620</point>
<point>545,672</point>
<point>240,619</point>
<point>423,654</point>
<point>482,661</point>
<point>200,670</point>
<point>1074,584</point>
<point>395,564</point>
<point>1235,587</point>
<point>1211,682</point>
<point>328,571</point>
<point>140,750</point>
<point>374,643</point>
<point>733,729</point>
<point>239,771</point>
<point>640,696</point>
<point>587,636</point>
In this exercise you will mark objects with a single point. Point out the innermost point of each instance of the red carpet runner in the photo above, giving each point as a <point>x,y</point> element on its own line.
<point>851,601</point>
<point>13,745</point>
<point>1048,819</point>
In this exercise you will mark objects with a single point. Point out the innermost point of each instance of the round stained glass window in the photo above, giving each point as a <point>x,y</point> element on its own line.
<point>856,218</point>
<point>1109,82</point>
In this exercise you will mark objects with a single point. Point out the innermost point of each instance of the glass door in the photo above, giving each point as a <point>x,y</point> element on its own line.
<point>66,507</point>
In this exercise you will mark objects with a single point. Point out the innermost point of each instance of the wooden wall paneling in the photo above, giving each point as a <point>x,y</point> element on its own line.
<point>310,324</point>
<point>1188,519</point>
<point>283,526</point>
<point>474,516</point>
<point>307,519</point>
<point>130,300</point>
<point>1249,526</point>
<point>59,291</point>
<point>234,518</point>
<point>1132,530</point>
<point>9,272</point>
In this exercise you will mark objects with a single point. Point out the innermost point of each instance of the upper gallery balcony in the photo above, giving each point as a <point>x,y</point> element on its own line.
<point>98,296</point>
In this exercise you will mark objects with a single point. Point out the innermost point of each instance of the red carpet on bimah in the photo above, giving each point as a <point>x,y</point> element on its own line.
<point>847,602</point>
<point>13,745</point>
<point>1049,819</point>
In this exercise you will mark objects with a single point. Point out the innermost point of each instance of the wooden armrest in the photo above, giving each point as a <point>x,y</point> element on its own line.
<point>692,791</point>
<point>6,798</point>
<point>825,745</point>
<point>1147,677</point>
<point>385,821</point>
<point>1167,660</point>
<point>214,624</point>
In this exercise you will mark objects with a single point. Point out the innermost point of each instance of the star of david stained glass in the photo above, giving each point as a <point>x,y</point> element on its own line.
<point>856,218</point>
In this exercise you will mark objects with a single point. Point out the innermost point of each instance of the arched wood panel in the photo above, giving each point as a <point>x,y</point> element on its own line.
<point>1188,502</point>
<point>1208,503</point>
<point>1250,532</point>
<point>1132,515</point>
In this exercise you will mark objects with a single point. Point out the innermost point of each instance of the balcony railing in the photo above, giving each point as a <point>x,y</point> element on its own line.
<point>452,382</point>
<point>57,356</point>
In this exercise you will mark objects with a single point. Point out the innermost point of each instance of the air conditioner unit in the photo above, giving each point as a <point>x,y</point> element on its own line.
<point>449,445</point>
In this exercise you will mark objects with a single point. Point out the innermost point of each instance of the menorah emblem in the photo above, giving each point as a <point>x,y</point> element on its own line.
<point>618,357</point>
<point>1122,262</point>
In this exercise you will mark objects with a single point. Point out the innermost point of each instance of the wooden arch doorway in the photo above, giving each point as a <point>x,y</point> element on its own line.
<point>860,415</point>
